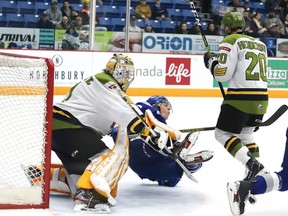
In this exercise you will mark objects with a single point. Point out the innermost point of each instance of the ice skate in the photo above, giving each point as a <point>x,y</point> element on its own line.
<point>88,201</point>
<point>253,167</point>
<point>183,148</point>
<point>238,193</point>
<point>199,157</point>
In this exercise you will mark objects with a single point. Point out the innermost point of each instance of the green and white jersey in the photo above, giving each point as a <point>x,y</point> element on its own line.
<point>243,64</point>
<point>96,104</point>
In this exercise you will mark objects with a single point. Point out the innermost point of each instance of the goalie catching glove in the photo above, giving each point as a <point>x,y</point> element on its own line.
<point>210,61</point>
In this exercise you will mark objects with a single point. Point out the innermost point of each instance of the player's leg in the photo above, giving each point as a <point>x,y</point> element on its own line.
<point>75,148</point>
<point>239,192</point>
<point>231,121</point>
<point>98,184</point>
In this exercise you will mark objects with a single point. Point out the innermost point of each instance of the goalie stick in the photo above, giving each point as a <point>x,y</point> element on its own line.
<point>170,153</point>
<point>275,116</point>
<point>194,12</point>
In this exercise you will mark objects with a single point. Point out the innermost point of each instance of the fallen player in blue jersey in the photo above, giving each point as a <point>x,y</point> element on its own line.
<point>156,165</point>
<point>239,191</point>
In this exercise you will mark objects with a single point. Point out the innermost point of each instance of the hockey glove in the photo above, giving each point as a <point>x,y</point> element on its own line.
<point>158,142</point>
<point>210,61</point>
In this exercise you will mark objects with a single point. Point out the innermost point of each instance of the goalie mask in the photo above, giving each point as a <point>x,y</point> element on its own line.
<point>122,69</point>
<point>233,21</point>
<point>157,100</point>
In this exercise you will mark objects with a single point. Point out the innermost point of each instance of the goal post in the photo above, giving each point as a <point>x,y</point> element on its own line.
<point>26,107</point>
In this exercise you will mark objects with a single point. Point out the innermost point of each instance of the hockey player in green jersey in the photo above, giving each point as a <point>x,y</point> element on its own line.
<point>242,63</point>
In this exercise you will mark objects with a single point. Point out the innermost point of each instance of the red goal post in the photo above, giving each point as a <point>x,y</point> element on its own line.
<point>26,106</point>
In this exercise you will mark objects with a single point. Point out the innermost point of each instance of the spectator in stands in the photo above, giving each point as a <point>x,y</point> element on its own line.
<point>85,11</point>
<point>272,4</point>
<point>54,14</point>
<point>97,25</point>
<point>211,29</point>
<point>248,21</point>
<point>182,28</point>
<point>148,28</point>
<point>68,11</point>
<point>195,29</point>
<point>274,31</point>
<point>246,7</point>
<point>273,21</point>
<point>78,23</point>
<point>71,39</point>
<point>143,10</point>
<point>286,26</point>
<point>235,6</point>
<point>133,25</point>
<point>283,10</point>
<point>257,26</point>
<point>44,22</point>
<point>159,12</point>
<point>64,24</point>
<point>234,3</point>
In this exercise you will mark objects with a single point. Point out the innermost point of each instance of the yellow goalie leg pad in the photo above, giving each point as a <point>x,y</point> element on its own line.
<point>159,126</point>
<point>84,180</point>
<point>108,173</point>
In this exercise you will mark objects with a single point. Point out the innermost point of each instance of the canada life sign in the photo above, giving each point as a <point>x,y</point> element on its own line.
<point>178,71</point>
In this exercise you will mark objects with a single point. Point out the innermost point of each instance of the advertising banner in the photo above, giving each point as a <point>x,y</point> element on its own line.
<point>155,73</point>
<point>282,47</point>
<point>178,44</point>
<point>107,41</point>
<point>20,38</point>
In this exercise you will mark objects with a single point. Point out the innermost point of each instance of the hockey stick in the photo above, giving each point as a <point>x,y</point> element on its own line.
<point>276,115</point>
<point>194,12</point>
<point>170,153</point>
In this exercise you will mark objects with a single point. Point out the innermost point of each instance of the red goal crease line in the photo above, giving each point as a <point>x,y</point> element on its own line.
<point>22,90</point>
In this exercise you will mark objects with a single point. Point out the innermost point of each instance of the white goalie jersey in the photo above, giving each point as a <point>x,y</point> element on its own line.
<point>89,105</point>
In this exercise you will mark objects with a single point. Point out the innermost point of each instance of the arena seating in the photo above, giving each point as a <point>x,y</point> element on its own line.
<point>23,13</point>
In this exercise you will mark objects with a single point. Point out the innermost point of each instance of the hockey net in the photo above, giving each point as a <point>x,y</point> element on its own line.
<point>26,101</point>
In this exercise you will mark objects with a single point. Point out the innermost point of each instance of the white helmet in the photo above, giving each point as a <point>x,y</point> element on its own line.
<point>122,69</point>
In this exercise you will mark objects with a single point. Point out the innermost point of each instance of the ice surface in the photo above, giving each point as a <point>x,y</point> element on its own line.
<point>138,197</point>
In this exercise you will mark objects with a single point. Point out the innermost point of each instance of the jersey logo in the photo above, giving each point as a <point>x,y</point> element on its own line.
<point>111,85</point>
<point>225,48</point>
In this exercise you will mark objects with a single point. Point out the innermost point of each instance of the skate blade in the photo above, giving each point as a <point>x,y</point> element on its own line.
<point>98,209</point>
<point>232,198</point>
<point>200,157</point>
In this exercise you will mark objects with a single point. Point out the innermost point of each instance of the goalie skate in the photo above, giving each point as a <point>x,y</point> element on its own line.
<point>86,201</point>
<point>238,193</point>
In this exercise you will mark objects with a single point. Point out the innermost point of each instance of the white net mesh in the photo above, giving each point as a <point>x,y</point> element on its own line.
<point>23,92</point>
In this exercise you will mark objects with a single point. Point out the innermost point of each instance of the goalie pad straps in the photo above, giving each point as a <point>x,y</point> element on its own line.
<point>104,173</point>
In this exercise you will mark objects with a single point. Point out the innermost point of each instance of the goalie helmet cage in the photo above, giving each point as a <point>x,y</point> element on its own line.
<point>26,106</point>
